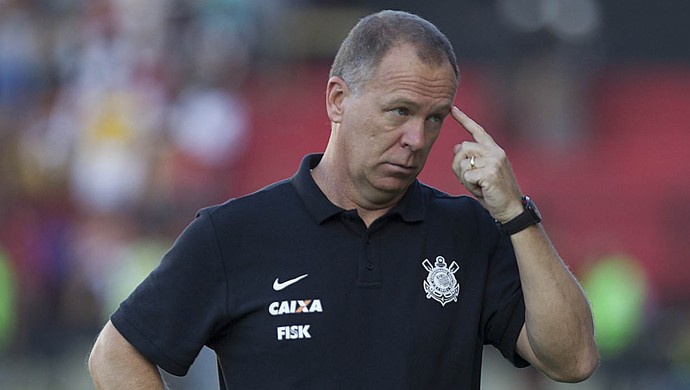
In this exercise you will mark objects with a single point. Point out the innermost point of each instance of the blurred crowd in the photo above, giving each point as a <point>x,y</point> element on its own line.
<point>117,120</point>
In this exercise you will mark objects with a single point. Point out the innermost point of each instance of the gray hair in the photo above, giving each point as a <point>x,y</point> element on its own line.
<point>374,35</point>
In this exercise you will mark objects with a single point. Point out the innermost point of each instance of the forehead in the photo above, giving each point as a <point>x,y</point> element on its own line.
<point>401,70</point>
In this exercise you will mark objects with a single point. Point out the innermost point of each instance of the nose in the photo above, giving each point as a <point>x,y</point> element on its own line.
<point>413,135</point>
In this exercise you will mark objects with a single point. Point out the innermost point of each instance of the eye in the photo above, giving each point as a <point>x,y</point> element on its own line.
<point>401,111</point>
<point>436,118</point>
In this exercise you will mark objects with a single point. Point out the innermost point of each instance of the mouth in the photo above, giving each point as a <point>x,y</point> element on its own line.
<point>402,168</point>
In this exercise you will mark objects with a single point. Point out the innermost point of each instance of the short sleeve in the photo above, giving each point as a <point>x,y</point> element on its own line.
<point>173,313</point>
<point>504,309</point>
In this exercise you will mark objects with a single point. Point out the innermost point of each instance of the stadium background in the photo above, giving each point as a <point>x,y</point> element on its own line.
<point>120,118</point>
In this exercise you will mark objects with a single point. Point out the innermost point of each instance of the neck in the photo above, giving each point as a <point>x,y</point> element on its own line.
<point>344,193</point>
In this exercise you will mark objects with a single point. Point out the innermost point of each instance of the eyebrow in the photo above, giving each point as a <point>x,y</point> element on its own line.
<point>442,109</point>
<point>401,101</point>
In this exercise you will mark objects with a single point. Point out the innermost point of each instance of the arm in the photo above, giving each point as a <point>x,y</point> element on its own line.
<point>115,364</point>
<point>558,334</point>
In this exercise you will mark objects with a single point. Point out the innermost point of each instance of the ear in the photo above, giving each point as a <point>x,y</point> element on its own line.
<point>336,92</point>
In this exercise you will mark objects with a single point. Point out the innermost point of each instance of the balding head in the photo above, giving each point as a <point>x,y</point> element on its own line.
<point>373,37</point>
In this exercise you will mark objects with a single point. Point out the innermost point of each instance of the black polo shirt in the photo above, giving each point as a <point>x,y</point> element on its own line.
<point>293,292</point>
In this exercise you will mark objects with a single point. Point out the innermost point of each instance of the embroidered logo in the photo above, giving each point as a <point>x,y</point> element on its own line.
<point>441,284</point>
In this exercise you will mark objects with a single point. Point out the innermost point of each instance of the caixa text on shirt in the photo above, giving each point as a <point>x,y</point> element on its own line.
<point>295,307</point>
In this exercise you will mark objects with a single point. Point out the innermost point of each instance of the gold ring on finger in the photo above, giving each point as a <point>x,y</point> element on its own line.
<point>472,164</point>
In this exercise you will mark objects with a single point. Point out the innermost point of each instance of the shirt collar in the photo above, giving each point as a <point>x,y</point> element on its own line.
<point>410,208</point>
<point>314,199</point>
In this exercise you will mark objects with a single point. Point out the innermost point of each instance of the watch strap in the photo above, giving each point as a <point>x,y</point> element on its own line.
<point>530,216</point>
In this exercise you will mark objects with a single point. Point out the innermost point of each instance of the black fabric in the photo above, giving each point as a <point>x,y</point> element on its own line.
<point>361,317</point>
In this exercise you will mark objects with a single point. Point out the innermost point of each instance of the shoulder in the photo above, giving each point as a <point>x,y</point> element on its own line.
<point>277,198</point>
<point>459,213</point>
<point>441,202</point>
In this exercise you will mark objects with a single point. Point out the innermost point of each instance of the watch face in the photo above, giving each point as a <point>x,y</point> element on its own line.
<point>531,207</point>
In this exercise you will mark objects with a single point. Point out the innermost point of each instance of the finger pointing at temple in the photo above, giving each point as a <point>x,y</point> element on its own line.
<point>482,166</point>
<point>476,131</point>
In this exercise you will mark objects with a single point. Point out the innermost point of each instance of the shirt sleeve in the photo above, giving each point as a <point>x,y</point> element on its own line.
<point>504,310</point>
<point>173,313</point>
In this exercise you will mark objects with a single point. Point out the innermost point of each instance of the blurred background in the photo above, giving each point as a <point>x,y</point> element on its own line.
<point>120,118</point>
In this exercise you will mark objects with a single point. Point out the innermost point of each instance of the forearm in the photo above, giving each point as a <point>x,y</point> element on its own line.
<point>116,364</point>
<point>559,332</point>
<point>558,336</point>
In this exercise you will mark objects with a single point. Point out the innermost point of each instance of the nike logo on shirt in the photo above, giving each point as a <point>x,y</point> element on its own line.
<point>277,286</point>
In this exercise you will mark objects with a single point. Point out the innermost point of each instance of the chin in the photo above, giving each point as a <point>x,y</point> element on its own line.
<point>393,186</point>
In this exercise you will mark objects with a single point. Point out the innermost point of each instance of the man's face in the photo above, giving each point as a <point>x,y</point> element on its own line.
<point>389,126</point>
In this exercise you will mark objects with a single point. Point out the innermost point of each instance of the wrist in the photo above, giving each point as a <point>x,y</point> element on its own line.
<point>528,216</point>
<point>515,209</point>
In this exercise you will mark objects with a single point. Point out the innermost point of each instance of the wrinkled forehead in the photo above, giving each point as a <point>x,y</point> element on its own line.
<point>402,69</point>
<point>409,55</point>
<point>435,85</point>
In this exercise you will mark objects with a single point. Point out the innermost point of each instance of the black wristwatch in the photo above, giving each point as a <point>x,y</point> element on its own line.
<point>528,218</point>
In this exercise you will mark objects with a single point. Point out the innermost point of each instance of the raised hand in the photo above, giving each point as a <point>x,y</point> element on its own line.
<point>483,168</point>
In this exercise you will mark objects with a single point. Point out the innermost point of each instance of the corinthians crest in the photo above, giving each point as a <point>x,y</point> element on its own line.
<point>441,283</point>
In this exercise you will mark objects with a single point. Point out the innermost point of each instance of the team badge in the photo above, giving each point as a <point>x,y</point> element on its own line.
<point>441,284</point>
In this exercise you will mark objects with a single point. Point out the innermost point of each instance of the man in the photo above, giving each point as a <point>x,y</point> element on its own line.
<point>352,274</point>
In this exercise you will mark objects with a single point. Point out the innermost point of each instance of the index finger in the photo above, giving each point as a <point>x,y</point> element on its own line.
<point>476,131</point>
